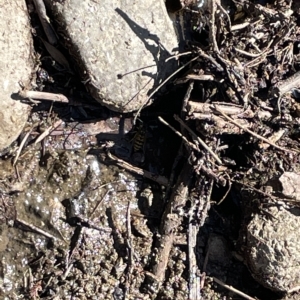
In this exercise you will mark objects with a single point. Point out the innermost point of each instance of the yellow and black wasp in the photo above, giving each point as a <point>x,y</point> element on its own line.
<point>138,142</point>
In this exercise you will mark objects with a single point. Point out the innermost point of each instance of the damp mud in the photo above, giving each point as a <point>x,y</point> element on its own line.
<point>67,235</point>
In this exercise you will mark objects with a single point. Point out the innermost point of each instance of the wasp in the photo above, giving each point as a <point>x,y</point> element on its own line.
<point>138,142</point>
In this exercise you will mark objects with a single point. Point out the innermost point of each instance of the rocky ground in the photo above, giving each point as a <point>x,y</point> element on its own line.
<point>192,197</point>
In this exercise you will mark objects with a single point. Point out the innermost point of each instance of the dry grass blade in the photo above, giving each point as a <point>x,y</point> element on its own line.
<point>49,31</point>
<point>57,56</point>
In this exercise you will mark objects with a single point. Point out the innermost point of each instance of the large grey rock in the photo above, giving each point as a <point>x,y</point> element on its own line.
<point>114,42</point>
<point>273,248</point>
<point>15,65</point>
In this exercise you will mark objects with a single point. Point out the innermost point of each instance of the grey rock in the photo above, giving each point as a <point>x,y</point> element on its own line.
<point>273,248</point>
<point>290,185</point>
<point>16,65</point>
<point>114,43</point>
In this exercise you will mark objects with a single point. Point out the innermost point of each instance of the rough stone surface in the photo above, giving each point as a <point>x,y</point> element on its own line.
<point>15,65</point>
<point>114,42</point>
<point>273,248</point>
<point>290,185</point>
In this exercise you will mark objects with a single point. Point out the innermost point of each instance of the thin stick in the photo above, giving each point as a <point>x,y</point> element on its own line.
<point>207,108</point>
<point>212,175</point>
<point>99,202</point>
<point>47,131</point>
<point>22,145</point>
<point>206,207</point>
<point>253,133</point>
<point>228,190</point>
<point>36,229</point>
<point>123,164</point>
<point>130,252</point>
<point>272,197</point>
<point>275,137</point>
<point>43,96</point>
<point>163,83</point>
<point>120,76</point>
<point>232,289</point>
<point>173,175</point>
<point>203,77</point>
<point>67,271</point>
<point>178,55</point>
<point>256,61</point>
<point>211,59</point>
<point>239,26</point>
<point>170,222</point>
<point>223,10</point>
<point>287,85</point>
<point>201,142</point>
<point>194,278</point>
<point>193,146</point>
<point>187,97</point>
<point>247,53</point>
<point>212,28</point>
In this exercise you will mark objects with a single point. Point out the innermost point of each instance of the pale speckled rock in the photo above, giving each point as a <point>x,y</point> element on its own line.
<point>15,65</point>
<point>290,185</point>
<point>109,38</point>
<point>273,248</point>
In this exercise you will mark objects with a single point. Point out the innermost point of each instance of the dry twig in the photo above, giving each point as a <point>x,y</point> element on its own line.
<point>123,164</point>
<point>178,55</point>
<point>208,108</point>
<point>187,97</point>
<point>171,220</point>
<point>211,59</point>
<point>185,140</point>
<point>255,134</point>
<point>197,138</point>
<point>36,229</point>
<point>43,96</point>
<point>22,145</point>
<point>287,85</point>
<point>130,252</point>
<point>194,279</point>
<point>232,289</point>
<point>48,131</point>
<point>203,77</point>
<point>275,137</point>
